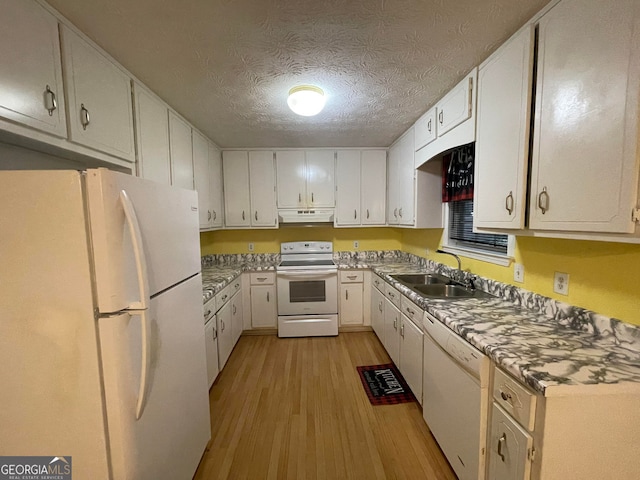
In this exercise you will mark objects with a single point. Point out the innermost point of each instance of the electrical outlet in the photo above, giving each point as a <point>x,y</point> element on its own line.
<point>561,283</point>
<point>356,244</point>
<point>518,272</point>
<point>427,252</point>
<point>251,247</point>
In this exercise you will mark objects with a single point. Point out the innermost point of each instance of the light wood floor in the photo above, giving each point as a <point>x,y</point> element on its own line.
<point>295,409</point>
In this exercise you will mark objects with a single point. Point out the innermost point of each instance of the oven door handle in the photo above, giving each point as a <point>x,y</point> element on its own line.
<point>316,274</point>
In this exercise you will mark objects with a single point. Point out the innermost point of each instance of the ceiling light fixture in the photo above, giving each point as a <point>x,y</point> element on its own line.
<point>306,100</point>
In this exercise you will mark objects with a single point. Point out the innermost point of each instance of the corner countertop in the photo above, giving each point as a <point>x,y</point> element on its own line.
<point>553,348</point>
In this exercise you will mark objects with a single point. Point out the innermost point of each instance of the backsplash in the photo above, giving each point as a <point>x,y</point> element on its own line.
<point>240,258</point>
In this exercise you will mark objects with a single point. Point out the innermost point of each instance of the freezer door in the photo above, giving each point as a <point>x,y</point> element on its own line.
<point>168,439</point>
<point>144,240</point>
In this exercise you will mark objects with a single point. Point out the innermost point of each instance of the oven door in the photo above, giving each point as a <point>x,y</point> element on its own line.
<point>307,292</point>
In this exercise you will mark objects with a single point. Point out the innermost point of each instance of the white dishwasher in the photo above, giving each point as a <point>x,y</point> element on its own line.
<point>456,398</point>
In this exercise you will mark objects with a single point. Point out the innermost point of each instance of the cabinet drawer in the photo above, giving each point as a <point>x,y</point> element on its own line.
<point>209,309</point>
<point>379,283</point>
<point>351,276</point>
<point>235,286</point>
<point>263,278</point>
<point>411,310</point>
<point>392,294</point>
<point>223,296</point>
<point>516,399</point>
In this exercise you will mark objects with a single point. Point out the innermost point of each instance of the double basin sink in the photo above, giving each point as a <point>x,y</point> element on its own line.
<point>433,285</point>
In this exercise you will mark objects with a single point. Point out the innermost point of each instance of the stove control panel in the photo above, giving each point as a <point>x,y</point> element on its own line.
<point>306,247</point>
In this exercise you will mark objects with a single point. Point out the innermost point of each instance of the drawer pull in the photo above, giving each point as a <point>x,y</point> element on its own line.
<point>50,101</point>
<point>352,277</point>
<point>261,279</point>
<point>508,203</point>
<point>506,396</point>
<point>267,296</point>
<point>85,120</point>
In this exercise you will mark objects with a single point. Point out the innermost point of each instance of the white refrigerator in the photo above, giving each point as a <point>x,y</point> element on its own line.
<point>102,350</point>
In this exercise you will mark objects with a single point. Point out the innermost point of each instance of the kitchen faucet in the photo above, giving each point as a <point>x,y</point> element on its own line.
<point>459,275</point>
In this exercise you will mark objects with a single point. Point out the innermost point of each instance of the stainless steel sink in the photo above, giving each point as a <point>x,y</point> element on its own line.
<point>444,290</point>
<point>421,279</point>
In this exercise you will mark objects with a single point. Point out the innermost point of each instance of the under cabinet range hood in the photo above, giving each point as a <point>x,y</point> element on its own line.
<point>311,216</point>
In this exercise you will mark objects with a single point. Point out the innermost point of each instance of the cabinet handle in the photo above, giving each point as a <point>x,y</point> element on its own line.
<point>441,117</point>
<point>299,198</point>
<point>395,212</point>
<point>395,324</point>
<point>543,205</point>
<point>312,200</point>
<point>346,294</point>
<point>215,333</point>
<point>242,214</point>
<point>222,330</point>
<point>400,212</point>
<point>50,102</point>
<point>209,215</point>
<point>207,313</point>
<point>85,120</point>
<point>410,312</point>
<point>256,215</point>
<point>236,286</point>
<point>367,214</point>
<point>352,277</point>
<point>380,306</point>
<point>214,215</point>
<point>355,214</point>
<point>429,126</point>
<point>506,396</point>
<point>501,442</point>
<point>508,203</point>
<point>402,330</point>
<point>261,279</point>
<point>224,298</point>
<point>234,309</point>
<point>267,296</point>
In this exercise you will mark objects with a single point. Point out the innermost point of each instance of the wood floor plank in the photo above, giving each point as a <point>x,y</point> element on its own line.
<point>295,409</point>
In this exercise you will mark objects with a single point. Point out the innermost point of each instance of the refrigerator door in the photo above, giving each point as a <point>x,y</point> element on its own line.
<point>145,238</point>
<point>168,440</point>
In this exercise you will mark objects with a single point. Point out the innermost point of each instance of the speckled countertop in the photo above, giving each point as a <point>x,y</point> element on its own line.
<point>552,347</point>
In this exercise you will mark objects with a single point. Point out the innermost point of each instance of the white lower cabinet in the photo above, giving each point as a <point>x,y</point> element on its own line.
<point>509,446</point>
<point>411,344</point>
<point>351,298</point>
<point>264,307</point>
<point>211,348</point>
<point>391,331</point>
<point>236,316</point>
<point>377,312</point>
<point>225,334</point>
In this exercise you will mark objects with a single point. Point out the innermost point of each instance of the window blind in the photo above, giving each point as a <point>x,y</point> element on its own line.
<point>461,229</point>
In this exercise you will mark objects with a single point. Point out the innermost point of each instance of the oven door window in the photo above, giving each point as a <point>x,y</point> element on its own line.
<point>304,291</point>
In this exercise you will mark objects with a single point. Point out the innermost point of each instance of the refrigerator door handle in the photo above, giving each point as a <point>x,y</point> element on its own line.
<point>145,325</point>
<point>136,240</point>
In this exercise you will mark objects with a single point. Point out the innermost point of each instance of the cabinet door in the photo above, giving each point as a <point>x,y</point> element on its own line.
<point>351,304</point>
<point>264,311</point>
<point>411,344</point>
<point>509,447</point>
<point>406,180</point>
<point>584,164</point>
<point>262,180</point>
<point>181,152</point>
<point>236,317</point>
<point>99,99</point>
<point>392,331</point>
<point>348,187</point>
<point>225,334</point>
<point>211,346</point>
<point>215,181</point>
<point>202,178</point>
<point>393,184</point>
<point>152,128</point>
<point>425,129</point>
<point>31,77</point>
<point>235,171</point>
<point>320,178</point>
<point>291,179</point>
<point>455,107</point>
<point>377,313</point>
<point>502,134</point>
<point>373,175</point>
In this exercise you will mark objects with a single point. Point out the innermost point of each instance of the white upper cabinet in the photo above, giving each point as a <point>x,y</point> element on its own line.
<point>249,189</point>
<point>585,161</point>
<point>202,178</point>
<point>216,193</point>
<point>31,90</point>
<point>237,203</point>
<point>373,186</point>
<point>502,134</point>
<point>181,148</point>
<point>425,129</point>
<point>455,107</point>
<point>305,179</point>
<point>262,180</point>
<point>99,99</point>
<point>401,181</point>
<point>348,188</point>
<point>152,129</point>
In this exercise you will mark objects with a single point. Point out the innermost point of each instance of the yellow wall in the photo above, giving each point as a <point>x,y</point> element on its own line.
<point>603,277</point>
<point>268,241</point>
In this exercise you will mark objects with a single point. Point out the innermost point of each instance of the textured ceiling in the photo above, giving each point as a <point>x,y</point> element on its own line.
<point>227,65</point>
